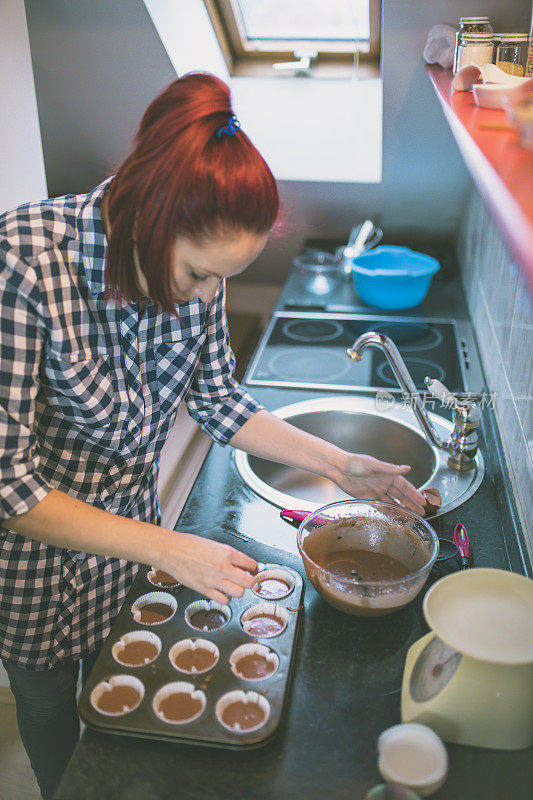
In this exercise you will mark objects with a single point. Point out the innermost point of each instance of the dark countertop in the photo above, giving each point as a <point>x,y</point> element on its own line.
<point>347,670</point>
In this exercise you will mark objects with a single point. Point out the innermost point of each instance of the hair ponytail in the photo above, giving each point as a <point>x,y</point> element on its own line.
<point>183,179</point>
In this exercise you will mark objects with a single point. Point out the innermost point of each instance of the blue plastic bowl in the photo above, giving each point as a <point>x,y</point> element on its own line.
<point>393,278</point>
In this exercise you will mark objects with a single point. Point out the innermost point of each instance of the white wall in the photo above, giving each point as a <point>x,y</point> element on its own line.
<point>22,176</point>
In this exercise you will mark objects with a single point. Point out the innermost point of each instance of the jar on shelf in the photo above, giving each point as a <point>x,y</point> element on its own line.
<point>529,65</point>
<point>469,25</point>
<point>476,49</point>
<point>512,53</point>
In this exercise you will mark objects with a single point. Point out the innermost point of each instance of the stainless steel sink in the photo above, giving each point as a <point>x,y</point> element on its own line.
<point>355,424</point>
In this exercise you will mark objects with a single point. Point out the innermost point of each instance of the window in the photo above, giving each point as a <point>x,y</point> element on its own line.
<point>308,37</point>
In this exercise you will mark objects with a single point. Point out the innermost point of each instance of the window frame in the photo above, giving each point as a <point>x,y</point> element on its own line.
<point>256,58</point>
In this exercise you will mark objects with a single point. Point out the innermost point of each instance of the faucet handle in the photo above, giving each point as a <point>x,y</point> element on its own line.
<point>466,416</point>
<point>456,400</point>
<point>443,394</point>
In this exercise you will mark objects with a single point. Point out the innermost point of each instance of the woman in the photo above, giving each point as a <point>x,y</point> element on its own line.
<point>112,313</point>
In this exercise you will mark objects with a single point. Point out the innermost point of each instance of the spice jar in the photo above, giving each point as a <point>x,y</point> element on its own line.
<point>512,52</point>
<point>474,48</point>
<point>469,25</point>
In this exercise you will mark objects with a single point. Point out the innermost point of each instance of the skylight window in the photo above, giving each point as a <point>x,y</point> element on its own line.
<point>296,36</point>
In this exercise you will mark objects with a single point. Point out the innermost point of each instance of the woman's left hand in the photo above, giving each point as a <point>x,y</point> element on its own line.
<point>366,478</point>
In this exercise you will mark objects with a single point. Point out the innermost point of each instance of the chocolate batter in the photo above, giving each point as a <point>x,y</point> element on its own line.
<point>271,588</point>
<point>199,659</point>
<point>179,707</point>
<point>163,579</point>
<point>154,612</point>
<point>135,654</point>
<point>340,550</point>
<point>365,565</point>
<point>119,699</point>
<point>208,620</point>
<point>263,625</point>
<point>254,666</point>
<point>243,715</point>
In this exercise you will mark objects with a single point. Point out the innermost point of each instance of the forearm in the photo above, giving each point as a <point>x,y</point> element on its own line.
<point>267,436</point>
<point>357,474</point>
<point>65,521</point>
<point>216,570</point>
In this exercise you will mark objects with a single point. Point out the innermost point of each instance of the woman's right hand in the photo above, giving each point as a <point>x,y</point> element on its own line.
<point>216,570</point>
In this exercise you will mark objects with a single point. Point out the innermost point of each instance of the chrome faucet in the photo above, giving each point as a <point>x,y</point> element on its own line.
<point>463,443</point>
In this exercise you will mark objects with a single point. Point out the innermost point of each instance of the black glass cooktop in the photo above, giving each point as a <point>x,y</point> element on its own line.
<point>310,351</point>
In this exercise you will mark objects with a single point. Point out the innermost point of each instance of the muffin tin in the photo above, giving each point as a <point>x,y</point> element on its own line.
<point>214,656</point>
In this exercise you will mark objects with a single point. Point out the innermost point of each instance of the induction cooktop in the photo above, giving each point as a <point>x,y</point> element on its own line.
<point>308,350</point>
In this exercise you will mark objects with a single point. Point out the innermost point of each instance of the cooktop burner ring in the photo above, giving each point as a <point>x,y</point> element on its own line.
<point>297,364</point>
<point>331,329</point>
<point>403,328</point>
<point>432,370</point>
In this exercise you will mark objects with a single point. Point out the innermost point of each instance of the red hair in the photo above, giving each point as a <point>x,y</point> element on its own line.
<point>181,179</point>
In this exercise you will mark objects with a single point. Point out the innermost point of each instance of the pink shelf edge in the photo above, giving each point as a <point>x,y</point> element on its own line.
<point>514,221</point>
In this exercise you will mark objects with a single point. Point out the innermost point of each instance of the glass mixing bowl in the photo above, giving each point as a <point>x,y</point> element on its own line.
<point>318,272</point>
<point>328,535</point>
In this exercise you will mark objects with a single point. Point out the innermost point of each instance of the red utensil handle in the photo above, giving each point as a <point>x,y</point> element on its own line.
<point>462,540</point>
<point>293,517</point>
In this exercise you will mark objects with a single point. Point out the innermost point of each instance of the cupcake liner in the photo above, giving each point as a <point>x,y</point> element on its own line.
<point>251,649</point>
<point>206,605</point>
<point>151,574</point>
<point>106,686</point>
<point>258,610</point>
<point>245,697</point>
<point>190,644</point>
<point>135,636</point>
<point>153,597</point>
<point>173,688</point>
<point>279,574</point>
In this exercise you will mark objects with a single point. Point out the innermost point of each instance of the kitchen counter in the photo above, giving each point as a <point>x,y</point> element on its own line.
<point>346,677</point>
<point>347,671</point>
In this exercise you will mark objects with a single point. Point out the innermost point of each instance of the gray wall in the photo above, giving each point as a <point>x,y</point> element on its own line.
<point>98,64</point>
<point>502,312</point>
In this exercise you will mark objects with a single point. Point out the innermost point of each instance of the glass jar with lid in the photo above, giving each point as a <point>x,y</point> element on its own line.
<point>512,52</point>
<point>476,49</point>
<point>469,25</point>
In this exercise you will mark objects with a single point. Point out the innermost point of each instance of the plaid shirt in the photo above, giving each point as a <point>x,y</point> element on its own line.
<point>88,393</point>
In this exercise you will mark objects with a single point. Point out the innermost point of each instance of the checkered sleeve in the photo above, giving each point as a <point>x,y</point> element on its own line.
<point>21,486</point>
<point>215,399</point>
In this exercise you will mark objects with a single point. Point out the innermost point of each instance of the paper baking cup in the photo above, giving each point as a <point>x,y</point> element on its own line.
<point>106,686</point>
<point>189,644</point>
<point>151,574</point>
<point>259,610</point>
<point>245,697</point>
<point>153,597</point>
<point>174,688</point>
<point>275,574</point>
<point>249,650</point>
<point>135,636</point>
<point>206,605</point>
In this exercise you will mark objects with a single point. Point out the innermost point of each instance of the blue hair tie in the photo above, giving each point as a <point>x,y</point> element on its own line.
<point>230,129</point>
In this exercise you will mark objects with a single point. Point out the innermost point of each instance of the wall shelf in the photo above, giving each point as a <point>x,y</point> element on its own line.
<point>501,168</point>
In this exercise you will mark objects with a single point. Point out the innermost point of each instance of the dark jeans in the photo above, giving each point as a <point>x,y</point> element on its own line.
<point>47,716</point>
